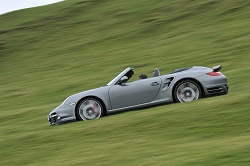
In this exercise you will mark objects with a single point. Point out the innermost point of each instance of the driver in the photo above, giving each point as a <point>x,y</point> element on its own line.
<point>142,76</point>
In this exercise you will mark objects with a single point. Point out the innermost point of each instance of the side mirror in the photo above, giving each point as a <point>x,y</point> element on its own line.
<point>123,80</point>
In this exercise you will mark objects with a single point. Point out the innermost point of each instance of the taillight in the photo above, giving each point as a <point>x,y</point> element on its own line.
<point>214,73</point>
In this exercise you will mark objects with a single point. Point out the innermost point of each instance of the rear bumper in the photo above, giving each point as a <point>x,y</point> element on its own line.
<point>216,90</point>
<point>214,85</point>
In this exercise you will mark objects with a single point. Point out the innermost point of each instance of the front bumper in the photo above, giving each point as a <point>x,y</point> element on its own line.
<point>54,119</point>
<point>62,114</point>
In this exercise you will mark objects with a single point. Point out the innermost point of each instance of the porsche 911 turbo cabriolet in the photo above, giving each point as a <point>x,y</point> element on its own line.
<point>181,85</point>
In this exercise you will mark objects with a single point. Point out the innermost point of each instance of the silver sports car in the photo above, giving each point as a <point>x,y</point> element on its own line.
<point>181,85</point>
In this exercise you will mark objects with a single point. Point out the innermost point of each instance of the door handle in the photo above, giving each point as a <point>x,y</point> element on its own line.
<point>155,83</point>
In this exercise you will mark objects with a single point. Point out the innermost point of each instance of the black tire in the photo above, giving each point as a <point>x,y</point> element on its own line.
<point>89,109</point>
<point>187,90</point>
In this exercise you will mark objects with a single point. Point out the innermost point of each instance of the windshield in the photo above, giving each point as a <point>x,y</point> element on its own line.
<point>119,76</point>
<point>116,78</point>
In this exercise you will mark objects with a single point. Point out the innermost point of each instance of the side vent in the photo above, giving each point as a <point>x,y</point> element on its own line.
<point>167,82</point>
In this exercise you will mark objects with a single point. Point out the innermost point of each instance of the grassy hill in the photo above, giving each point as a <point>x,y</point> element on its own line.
<point>48,53</point>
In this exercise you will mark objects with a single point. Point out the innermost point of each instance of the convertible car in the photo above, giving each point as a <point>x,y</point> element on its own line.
<point>181,85</point>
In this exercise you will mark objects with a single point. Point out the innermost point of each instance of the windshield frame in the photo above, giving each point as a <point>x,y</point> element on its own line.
<point>119,76</point>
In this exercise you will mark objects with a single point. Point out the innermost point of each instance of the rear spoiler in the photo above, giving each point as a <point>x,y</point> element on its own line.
<point>217,68</point>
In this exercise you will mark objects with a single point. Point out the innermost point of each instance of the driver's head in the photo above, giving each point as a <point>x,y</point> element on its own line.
<point>142,76</point>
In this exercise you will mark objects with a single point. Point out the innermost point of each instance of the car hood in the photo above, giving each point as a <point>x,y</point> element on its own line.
<point>76,97</point>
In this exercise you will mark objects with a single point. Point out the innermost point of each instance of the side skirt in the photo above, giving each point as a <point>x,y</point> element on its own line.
<point>159,102</point>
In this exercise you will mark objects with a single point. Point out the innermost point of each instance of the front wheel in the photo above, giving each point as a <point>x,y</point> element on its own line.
<point>186,91</point>
<point>89,109</point>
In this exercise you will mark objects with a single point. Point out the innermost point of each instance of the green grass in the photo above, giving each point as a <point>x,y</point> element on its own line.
<point>48,53</point>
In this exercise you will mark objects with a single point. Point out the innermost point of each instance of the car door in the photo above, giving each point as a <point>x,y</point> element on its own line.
<point>134,93</point>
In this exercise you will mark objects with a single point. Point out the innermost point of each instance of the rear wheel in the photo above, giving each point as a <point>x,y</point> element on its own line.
<point>186,91</point>
<point>89,109</point>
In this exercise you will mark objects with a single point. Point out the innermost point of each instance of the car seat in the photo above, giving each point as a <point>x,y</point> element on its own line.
<point>156,72</point>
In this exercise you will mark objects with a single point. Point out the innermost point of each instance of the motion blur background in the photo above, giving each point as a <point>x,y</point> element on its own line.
<point>50,52</point>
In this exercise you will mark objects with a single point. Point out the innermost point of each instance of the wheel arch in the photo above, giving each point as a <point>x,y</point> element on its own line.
<point>192,79</point>
<point>93,97</point>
